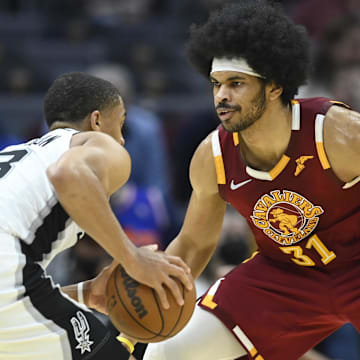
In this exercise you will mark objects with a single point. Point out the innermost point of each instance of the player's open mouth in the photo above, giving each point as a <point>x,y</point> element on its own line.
<point>225,114</point>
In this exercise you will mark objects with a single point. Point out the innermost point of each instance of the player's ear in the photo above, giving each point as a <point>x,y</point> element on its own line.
<point>274,91</point>
<point>95,121</point>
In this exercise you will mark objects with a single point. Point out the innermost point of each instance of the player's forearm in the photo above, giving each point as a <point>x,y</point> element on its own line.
<point>84,199</point>
<point>195,258</point>
<point>200,232</point>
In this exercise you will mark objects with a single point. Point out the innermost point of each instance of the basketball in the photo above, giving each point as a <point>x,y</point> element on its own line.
<point>135,308</point>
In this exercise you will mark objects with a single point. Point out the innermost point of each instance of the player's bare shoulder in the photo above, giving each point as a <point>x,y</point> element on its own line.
<point>342,141</point>
<point>202,168</point>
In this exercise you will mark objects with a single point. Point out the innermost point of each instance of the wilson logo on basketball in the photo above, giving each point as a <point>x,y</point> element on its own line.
<point>286,217</point>
<point>131,286</point>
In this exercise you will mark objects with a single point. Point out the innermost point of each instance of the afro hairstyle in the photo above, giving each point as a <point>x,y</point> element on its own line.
<point>260,32</point>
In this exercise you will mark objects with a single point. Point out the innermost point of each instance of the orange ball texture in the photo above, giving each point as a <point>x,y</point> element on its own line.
<point>135,309</point>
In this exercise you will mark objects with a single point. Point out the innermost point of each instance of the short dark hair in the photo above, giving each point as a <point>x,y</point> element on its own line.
<point>73,96</point>
<point>260,32</point>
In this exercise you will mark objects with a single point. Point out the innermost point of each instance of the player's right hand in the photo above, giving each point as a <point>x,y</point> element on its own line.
<point>158,270</point>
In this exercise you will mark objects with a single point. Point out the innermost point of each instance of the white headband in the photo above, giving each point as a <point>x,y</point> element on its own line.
<point>233,64</point>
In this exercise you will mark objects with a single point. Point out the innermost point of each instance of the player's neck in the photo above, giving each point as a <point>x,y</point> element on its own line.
<point>264,142</point>
<point>63,125</point>
<point>81,125</point>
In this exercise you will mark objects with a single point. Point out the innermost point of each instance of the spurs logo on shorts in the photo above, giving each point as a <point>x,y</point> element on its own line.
<point>81,330</point>
<point>285,216</point>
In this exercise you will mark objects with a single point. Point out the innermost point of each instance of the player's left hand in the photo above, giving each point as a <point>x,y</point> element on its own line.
<point>97,289</point>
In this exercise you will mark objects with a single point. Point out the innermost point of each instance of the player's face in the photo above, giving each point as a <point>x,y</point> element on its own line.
<point>239,99</point>
<point>113,122</point>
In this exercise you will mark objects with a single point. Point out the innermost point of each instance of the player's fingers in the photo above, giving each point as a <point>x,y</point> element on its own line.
<point>179,262</point>
<point>184,277</point>
<point>174,288</point>
<point>162,296</point>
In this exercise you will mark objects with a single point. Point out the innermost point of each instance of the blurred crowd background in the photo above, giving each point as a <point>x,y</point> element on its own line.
<point>139,46</point>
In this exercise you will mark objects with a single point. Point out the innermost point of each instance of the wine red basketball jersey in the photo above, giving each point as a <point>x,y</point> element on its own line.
<point>299,212</point>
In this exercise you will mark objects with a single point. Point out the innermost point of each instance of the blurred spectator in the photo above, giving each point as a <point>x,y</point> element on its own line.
<point>339,47</point>
<point>112,11</point>
<point>142,213</point>
<point>189,133</point>
<point>144,139</point>
<point>345,85</point>
<point>336,62</point>
<point>63,11</point>
<point>307,12</point>
<point>18,75</point>
<point>19,80</point>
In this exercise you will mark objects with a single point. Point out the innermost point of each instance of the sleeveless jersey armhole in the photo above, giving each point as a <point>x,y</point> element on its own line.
<point>218,159</point>
<point>319,139</point>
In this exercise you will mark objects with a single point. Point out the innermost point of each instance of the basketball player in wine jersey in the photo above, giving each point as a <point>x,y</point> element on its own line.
<point>54,189</point>
<point>291,167</point>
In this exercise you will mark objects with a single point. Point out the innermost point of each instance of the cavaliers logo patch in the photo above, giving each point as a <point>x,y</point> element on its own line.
<point>286,217</point>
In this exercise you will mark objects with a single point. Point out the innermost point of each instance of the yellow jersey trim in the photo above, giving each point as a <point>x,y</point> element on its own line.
<point>319,126</point>
<point>236,138</point>
<point>219,163</point>
<point>279,167</point>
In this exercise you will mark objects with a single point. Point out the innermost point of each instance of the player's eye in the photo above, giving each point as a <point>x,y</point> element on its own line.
<point>215,83</point>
